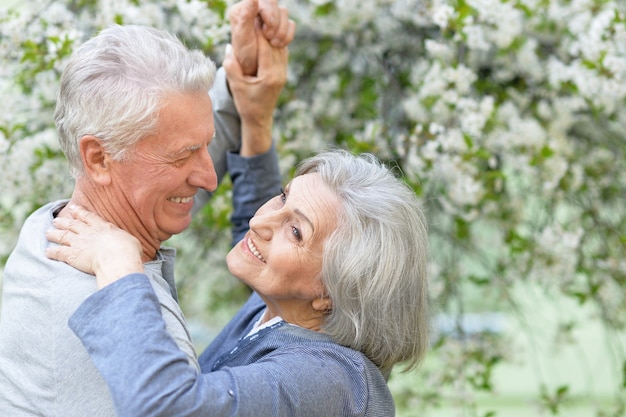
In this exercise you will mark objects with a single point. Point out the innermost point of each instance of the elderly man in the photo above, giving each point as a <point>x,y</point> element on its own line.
<point>134,120</point>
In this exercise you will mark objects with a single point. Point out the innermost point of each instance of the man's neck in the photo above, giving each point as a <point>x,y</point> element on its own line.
<point>124,219</point>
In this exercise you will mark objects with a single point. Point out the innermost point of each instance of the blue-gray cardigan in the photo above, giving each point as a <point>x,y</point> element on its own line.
<point>282,370</point>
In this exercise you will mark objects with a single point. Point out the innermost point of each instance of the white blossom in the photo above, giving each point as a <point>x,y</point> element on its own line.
<point>441,14</point>
<point>439,50</point>
<point>476,38</point>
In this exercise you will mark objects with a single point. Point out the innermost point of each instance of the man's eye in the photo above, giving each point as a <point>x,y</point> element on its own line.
<point>180,162</point>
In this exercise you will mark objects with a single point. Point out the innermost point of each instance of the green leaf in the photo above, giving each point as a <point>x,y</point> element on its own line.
<point>324,9</point>
<point>462,228</point>
<point>479,280</point>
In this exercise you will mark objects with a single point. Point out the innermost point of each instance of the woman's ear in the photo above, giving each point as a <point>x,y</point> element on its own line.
<point>322,303</point>
<point>96,160</point>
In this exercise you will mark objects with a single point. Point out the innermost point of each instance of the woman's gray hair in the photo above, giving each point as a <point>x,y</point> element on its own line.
<point>113,86</point>
<point>375,262</point>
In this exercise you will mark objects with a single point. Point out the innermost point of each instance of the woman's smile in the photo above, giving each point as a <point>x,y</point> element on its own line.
<point>253,249</point>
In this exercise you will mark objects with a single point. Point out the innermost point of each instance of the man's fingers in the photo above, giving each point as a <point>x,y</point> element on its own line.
<point>277,27</point>
<point>243,11</point>
<point>271,16</point>
<point>243,20</point>
<point>283,33</point>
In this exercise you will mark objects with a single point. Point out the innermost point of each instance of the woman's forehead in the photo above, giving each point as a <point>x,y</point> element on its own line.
<point>311,195</point>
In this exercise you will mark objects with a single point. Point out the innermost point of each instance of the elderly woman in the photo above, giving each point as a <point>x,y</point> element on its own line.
<point>337,265</point>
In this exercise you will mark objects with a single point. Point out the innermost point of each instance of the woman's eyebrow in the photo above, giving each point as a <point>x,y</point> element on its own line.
<point>302,215</point>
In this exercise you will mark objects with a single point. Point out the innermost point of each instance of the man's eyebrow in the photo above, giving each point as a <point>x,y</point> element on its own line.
<point>191,148</point>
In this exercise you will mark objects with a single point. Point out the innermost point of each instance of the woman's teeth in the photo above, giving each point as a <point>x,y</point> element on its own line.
<point>254,250</point>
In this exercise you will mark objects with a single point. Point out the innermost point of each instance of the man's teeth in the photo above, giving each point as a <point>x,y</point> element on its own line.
<point>254,250</point>
<point>180,199</point>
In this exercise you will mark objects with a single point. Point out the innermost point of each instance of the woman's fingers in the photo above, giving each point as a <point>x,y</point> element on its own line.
<point>85,216</point>
<point>89,243</point>
<point>59,235</point>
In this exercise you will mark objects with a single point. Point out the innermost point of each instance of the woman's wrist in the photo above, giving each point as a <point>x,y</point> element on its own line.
<point>256,138</point>
<point>109,271</point>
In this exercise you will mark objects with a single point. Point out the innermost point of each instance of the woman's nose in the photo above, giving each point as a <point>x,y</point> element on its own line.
<point>263,224</point>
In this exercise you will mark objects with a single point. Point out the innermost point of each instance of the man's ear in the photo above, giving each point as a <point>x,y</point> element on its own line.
<point>96,160</point>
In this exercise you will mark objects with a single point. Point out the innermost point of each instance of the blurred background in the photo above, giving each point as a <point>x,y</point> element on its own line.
<point>507,117</point>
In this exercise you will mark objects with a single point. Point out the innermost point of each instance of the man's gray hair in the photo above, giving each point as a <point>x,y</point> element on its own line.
<point>113,86</point>
<point>375,262</point>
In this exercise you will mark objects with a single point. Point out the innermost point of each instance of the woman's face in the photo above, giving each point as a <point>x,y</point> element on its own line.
<point>281,256</point>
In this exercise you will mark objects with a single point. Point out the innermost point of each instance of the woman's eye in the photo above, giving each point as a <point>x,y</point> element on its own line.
<point>283,196</point>
<point>296,233</point>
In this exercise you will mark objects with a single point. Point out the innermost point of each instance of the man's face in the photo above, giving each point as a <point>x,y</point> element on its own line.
<point>154,187</point>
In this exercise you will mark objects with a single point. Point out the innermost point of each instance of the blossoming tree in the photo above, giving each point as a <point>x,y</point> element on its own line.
<point>508,117</point>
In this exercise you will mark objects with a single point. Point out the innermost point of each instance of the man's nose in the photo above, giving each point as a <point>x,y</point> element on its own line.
<point>203,174</point>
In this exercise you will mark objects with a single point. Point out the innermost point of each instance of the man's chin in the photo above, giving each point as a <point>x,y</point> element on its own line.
<point>175,229</point>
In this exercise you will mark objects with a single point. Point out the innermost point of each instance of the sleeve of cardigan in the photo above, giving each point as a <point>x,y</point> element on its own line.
<point>255,181</point>
<point>148,375</point>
